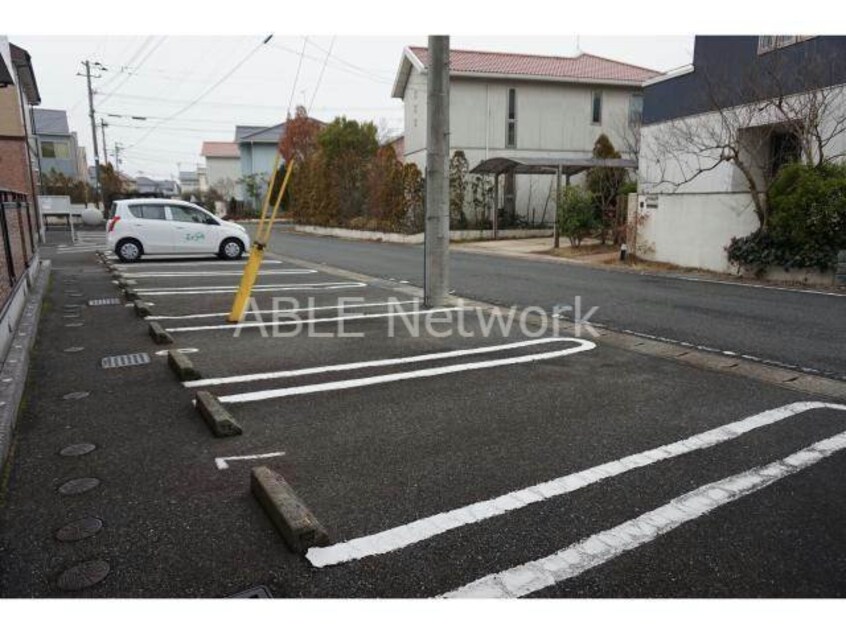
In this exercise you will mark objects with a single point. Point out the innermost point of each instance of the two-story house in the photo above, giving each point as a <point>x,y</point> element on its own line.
<point>520,106</point>
<point>58,148</point>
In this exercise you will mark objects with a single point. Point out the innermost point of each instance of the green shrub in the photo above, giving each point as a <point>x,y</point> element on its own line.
<point>576,214</point>
<point>807,222</point>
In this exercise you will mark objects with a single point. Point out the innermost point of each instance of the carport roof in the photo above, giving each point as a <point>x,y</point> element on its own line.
<point>547,165</point>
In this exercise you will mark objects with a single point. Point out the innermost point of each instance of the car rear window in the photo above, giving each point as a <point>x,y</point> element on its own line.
<point>148,212</point>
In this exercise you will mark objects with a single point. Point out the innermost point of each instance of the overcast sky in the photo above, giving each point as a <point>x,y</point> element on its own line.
<point>158,76</point>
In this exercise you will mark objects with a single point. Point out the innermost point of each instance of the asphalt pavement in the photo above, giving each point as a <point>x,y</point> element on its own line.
<point>789,327</point>
<point>440,462</point>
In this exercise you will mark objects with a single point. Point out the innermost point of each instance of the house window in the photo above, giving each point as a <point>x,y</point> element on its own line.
<point>55,149</point>
<point>635,110</point>
<point>511,130</point>
<point>596,107</point>
<point>767,43</point>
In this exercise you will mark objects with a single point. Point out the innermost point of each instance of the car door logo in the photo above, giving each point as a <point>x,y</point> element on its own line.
<point>195,237</point>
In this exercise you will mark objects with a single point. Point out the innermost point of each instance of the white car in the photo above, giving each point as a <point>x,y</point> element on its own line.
<point>155,226</point>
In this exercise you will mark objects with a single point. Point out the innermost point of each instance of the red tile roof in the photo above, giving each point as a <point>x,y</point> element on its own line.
<point>220,149</point>
<point>584,67</point>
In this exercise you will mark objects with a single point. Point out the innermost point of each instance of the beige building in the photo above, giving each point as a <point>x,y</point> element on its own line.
<point>516,105</point>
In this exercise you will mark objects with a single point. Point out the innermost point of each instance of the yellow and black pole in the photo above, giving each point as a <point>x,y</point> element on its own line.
<point>261,240</point>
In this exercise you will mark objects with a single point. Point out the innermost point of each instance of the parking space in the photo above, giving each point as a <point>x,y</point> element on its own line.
<point>467,458</point>
<point>452,451</point>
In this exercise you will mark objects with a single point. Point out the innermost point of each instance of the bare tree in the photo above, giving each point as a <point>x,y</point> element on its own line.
<point>777,113</point>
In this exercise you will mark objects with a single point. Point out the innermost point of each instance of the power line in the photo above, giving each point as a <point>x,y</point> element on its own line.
<point>297,76</point>
<point>347,63</point>
<point>227,104</point>
<point>130,75</point>
<point>208,91</point>
<point>122,69</point>
<point>360,74</point>
<point>322,70</point>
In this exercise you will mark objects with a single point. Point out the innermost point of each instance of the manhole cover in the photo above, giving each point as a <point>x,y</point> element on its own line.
<point>83,575</point>
<point>80,529</point>
<point>259,592</point>
<point>75,396</point>
<point>104,301</point>
<point>125,360</point>
<point>78,486</point>
<point>79,449</point>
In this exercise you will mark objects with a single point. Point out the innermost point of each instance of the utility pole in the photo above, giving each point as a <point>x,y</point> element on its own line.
<point>87,64</point>
<point>436,272</point>
<point>117,157</point>
<point>103,125</point>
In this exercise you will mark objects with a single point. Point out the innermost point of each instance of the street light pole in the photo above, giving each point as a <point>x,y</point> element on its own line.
<point>436,272</point>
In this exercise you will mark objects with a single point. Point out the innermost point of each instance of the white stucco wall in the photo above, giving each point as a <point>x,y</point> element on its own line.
<point>692,229</point>
<point>553,120</point>
<point>222,171</point>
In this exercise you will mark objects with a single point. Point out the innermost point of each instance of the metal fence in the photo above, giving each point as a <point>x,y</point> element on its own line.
<point>17,235</point>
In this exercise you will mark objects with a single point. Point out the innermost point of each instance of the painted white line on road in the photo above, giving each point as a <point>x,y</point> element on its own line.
<point>426,528</point>
<point>607,545</point>
<point>764,286</point>
<point>269,288</point>
<point>280,311</point>
<point>221,463</point>
<point>77,249</point>
<point>164,353</point>
<point>582,346</point>
<point>316,320</point>
<point>218,274</point>
<point>187,263</point>
<point>376,363</point>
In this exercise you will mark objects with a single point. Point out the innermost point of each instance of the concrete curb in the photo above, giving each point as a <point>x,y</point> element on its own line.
<point>16,364</point>
<point>142,309</point>
<point>158,334</point>
<point>217,418</point>
<point>130,294</point>
<point>292,518</point>
<point>182,366</point>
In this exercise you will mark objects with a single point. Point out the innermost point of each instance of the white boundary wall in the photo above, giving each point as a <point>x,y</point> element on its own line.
<point>417,238</point>
<point>693,230</point>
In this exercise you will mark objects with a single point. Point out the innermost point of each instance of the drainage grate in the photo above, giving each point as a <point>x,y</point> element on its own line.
<point>259,592</point>
<point>105,301</point>
<point>125,360</point>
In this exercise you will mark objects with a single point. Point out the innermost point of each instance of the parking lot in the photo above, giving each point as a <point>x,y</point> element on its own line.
<point>442,454</point>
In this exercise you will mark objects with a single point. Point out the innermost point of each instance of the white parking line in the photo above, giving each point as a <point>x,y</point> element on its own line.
<point>316,320</point>
<point>186,263</point>
<point>221,463</point>
<point>280,311</point>
<point>376,363</point>
<point>218,274</point>
<point>602,547</point>
<point>262,395</point>
<point>258,288</point>
<point>426,528</point>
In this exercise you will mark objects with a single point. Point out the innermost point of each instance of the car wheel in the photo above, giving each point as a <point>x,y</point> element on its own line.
<point>129,250</point>
<point>231,249</point>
